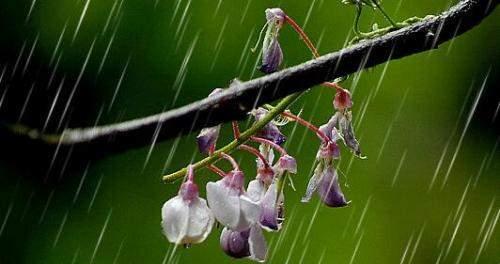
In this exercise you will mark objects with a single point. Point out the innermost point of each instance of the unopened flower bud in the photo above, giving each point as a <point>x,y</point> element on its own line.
<point>342,100</point>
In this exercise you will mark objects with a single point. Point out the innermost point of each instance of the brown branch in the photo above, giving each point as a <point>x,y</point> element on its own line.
<point>235,102</point>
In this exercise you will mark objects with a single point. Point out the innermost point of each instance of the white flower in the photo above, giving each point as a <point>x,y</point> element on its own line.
<point>230,204</point>
<point>186,218</point>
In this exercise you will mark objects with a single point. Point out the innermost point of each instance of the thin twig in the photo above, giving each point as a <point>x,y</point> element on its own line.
<point>235,102</point>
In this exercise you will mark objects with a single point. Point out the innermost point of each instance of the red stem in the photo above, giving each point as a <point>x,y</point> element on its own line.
<point>216,170</point>
<point>256,153</point>
<point>231,160</point>
<point>302,35</point>
<point>277,147</point>
<point>236,130</point>
<point>305,123</point>
<point>310,45</point>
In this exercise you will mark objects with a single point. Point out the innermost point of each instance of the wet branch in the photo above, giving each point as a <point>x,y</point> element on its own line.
<point>235,102</point>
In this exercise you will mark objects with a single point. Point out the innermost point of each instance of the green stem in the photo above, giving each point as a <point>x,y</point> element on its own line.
<point>244,137</point>
<point>394,24</point>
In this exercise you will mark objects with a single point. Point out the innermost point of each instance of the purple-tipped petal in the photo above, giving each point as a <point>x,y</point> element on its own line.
<point>270,209</point>
<point>235,243</point>
<point>329,189</point>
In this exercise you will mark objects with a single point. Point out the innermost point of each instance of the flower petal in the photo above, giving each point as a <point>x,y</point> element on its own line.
<point>313,184</point>
<point>270,209</point>
<point>329,189</point>
<point>225,203</point>
<point>201,221</point>
<point>257,243</point>
<point>256,190</point>
<point>175,215</point>
<point>347,131</point>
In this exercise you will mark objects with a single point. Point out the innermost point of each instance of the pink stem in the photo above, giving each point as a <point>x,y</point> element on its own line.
<point>256,153</point>
<point>281,150</point>
<point>190,173</point>
<point>231,160</point>
<point>302,35</point>
<point>310,45</point>
<point>216,170</point>
<point>307,124</point>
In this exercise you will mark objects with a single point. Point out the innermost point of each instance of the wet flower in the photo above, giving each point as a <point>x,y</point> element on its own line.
<point>230,203</point>
<point>329,189</point>
<point>325,182</point>
<point>272,56</point>
<point>186,218</point>
<point>247,243</point>
<point>208,136</point>
<point>270,131</point>
<point>272,202</point>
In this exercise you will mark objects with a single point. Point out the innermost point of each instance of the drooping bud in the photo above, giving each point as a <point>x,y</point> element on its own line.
<point>272,55</point>
<point>270,131</point>
<point>342,99</point>
<point>207,138</point>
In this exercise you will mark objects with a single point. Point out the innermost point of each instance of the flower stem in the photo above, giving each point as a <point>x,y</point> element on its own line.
<point>236,129</point>
<point>309,44</point>
<point>245,136</point>
<point>302,35</point>
<point>307,124</point>
<point>216,170</point>
<point>256,153</point>
<point>233,162</point>
<point>264,141</point>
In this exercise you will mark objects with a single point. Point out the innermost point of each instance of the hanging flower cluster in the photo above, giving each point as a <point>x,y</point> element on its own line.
<point>246,210</point>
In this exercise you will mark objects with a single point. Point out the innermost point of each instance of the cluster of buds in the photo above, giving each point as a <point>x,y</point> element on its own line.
<point>246,210</point>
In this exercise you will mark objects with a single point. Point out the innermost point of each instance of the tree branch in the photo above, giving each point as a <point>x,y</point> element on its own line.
<point>235,102</point>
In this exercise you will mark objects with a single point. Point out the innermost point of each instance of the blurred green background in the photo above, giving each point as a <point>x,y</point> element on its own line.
<point>427,193</point>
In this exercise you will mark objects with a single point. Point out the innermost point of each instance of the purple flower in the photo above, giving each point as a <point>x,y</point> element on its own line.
<point>272,56</point>
<point>272,216</point>
<point>329,189</point>
<point>269,131</point>
<point>186,218</point>
<point>325,182</point>
<point>230,204</point>
<point>208,136</point>
<point>247,243</point>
